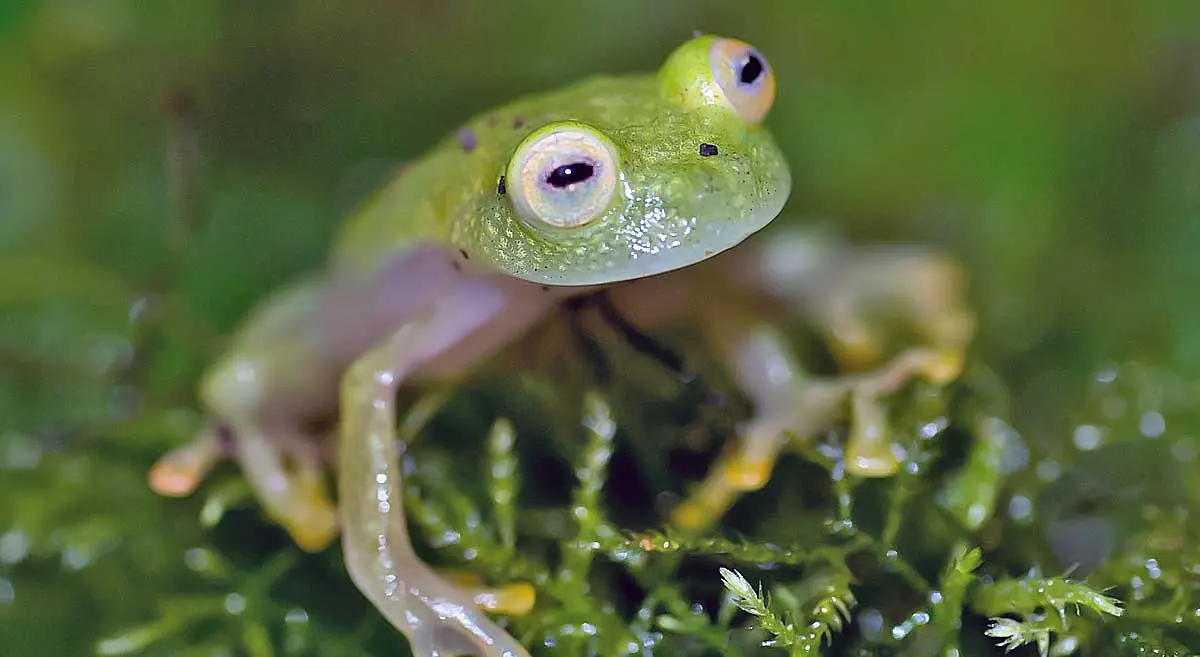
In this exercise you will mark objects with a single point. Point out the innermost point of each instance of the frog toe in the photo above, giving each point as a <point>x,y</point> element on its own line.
<point>312,524</point>
<point>745,471</point>
<point>746,474</point>
<point>516,599</point>
<point>180,472</point>
<point>701,510</point>
<point>854,347</point>
<point>869,451</point>
<point>942,366</point>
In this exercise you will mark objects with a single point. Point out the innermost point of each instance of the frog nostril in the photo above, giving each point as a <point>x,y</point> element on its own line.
<point>708,150</point>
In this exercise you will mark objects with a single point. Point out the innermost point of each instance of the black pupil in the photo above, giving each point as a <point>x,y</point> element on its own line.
<point>569,174</point>
<point>751,70</point>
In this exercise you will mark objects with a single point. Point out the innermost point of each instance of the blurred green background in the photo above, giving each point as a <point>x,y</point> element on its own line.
<point>1055,147</point>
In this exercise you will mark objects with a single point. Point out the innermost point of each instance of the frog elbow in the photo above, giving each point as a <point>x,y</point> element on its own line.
<point>235,385</point>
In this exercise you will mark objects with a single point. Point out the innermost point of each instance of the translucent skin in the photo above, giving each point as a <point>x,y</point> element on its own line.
<point>673,206</point>
<point>440,270</point>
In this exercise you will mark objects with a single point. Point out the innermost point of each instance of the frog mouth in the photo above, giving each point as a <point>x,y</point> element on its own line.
<point>704,238</point>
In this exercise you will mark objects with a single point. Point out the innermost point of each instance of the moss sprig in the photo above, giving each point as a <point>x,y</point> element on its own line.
<point>1040,605</point>
<point>801,620</point>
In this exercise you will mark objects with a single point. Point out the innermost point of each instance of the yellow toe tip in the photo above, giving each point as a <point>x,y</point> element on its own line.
<point>316,531</point>
<point>172,480</point>
<point>856,354</point>
<point>516,599</point>
<point>944,367</point>
<point>872,466</point>
<point>689,516</point>
<point>748,475</point>
<point>311,541</point>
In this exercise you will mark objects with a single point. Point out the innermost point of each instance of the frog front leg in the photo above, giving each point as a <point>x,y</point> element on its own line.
<point>258,394</point>
<point>378,551</point>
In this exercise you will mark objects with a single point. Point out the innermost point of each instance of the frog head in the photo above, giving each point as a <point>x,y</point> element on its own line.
<point>617,178</point>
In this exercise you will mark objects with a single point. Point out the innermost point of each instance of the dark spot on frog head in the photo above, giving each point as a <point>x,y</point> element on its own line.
<point>708,150</point>
<point>518,122</point>
<point>466,139</point>
<point>500,187</point>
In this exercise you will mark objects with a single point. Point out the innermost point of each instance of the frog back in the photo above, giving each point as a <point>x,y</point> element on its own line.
<point>436,198</point>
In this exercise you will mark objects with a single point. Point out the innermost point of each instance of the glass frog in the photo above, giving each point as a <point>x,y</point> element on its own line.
<point>634,186</point>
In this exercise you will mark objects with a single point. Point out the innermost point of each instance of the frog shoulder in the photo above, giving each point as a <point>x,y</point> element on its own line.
<point>406,213</point>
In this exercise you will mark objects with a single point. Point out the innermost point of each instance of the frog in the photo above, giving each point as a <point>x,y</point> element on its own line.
<point>637,187</point>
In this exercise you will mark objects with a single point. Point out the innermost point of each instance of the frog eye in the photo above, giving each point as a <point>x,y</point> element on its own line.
<point>563,175</point>
<point>715,71</point>
<point>745,78</point>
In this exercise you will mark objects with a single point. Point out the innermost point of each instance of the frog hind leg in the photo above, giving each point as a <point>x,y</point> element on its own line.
<point>850,293</point>
<point>271,360</point>
<point>379,555</point>
<point>788,404</point>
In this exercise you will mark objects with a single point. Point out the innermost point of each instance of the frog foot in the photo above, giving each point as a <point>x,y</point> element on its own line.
<point>813,407</point>
<point>922,293</point>
<point>295,496</point>
<point>287,473</point>
<point>729,477</point>
<point>310,518</point>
